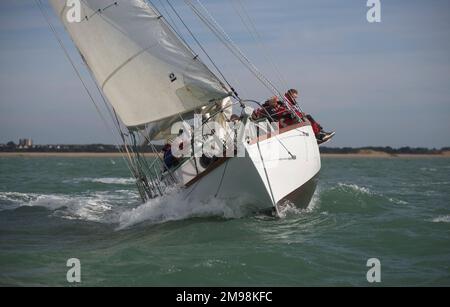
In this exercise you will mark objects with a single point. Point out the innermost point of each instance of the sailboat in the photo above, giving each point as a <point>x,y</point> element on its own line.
<point>158,88</point>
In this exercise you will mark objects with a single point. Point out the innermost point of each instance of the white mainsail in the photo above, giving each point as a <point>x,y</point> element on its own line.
<point>142,67</point>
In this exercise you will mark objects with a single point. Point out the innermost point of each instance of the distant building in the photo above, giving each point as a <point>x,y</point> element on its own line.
<point>25,143</point>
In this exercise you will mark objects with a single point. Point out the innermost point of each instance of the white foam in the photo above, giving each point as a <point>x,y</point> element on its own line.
<point>288,208</point>
<point>176,206</point>
<point>364,190</point>
<point>14,200</point>
<point>48,201</point>
<point>355,188</point>
<point>15,196</point>
<point>89,207</point>
<point>315,200</point>
<point>397,201</point>
<point>211,263</point>
<point>442,219</point>
<point>114,206</point>
<point>105,180</point>
<point>428,169</point>
<point>114,180</point>
<point>51,202</point>
<point>440,183</point>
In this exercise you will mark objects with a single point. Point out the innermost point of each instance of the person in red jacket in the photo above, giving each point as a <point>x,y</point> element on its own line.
<point>291,98</point>
<point>270,110</point>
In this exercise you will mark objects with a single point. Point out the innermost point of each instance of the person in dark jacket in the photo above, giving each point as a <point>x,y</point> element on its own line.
<point>169,160</point>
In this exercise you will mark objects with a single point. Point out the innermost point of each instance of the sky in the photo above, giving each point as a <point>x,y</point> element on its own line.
<point>375,84</point>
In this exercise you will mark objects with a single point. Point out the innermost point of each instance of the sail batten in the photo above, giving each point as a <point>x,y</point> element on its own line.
<point>143,68</point>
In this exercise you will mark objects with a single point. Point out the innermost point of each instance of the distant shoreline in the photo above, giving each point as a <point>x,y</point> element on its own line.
<point>384,155</point>
<point>67,154</point>
<point>118,155</point>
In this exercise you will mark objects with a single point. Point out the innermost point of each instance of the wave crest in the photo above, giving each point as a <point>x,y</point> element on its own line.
<point>175,206</point>
<point>104,180</point>
<point>89,207</point>
<point>441,219</point>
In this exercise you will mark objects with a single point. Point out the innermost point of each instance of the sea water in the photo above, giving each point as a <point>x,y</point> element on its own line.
<point>396,210</point>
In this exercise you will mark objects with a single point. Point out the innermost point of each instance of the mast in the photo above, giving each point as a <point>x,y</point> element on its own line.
<point>146,72</point>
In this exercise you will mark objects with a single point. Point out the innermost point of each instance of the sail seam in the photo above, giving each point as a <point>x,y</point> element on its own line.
<point>115,71</point>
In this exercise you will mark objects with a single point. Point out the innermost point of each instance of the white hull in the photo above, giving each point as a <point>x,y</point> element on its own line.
<point>261,180</point>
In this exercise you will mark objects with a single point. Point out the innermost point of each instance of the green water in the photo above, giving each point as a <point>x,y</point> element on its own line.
<point>53,209</point>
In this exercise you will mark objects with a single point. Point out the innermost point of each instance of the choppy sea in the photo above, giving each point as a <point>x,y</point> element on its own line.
<point>394,209</point>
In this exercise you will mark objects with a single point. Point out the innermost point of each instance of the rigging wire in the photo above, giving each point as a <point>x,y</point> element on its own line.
<point>251,28</point>
<point>221,179</point>
<point>258,39</point>
<point>173,23</point>
<point>136,162</point>
<point>217,30</point>
<point>209,20</point>
<point>267,178</point>
<point>158,156</point>
<point>77,72</point>
<point>130,164</point>
<point>212,24</point>
<point>114,118</point>
<point>61,44</point>
<point>202,48</point>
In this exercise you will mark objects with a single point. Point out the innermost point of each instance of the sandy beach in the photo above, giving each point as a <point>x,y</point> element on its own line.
<point>380,154</point>
<point>385,155</point>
